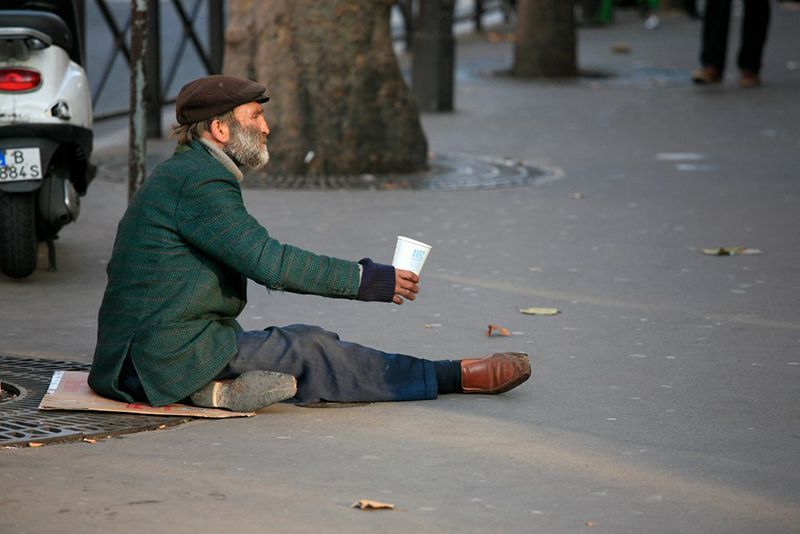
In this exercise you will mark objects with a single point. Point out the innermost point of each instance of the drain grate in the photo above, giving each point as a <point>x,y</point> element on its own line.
<point>21,422</point>
<point>451,172</point>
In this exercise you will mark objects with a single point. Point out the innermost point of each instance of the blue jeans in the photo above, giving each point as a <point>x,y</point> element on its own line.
<point>328,369</point>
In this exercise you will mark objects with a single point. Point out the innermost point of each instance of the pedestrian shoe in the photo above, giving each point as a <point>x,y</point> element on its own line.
<point>496,373</point>
<point>706,76</point>
<point>248,392</point>
<point>749,79</point>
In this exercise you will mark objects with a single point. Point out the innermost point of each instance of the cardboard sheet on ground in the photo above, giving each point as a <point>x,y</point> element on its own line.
<point>69,390</point>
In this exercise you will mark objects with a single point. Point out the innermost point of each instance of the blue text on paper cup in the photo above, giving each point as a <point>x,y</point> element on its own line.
<point>417,257</point>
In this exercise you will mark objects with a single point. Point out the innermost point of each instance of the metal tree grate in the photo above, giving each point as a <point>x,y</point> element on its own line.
<point>448,172</point>
<point>21,421</point>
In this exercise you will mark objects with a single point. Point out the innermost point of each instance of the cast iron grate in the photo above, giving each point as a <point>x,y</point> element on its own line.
<point>21,422</point>
<point>448,172</point>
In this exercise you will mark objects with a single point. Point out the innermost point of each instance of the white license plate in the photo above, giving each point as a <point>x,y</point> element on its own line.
<point>18,164</point>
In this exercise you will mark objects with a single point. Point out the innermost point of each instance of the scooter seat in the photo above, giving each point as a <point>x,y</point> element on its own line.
<point>48,23</point>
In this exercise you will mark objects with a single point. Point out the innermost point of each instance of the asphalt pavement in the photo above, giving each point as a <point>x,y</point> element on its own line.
<point>665,396</point>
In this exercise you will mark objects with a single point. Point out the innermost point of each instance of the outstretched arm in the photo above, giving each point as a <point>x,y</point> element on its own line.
<point>405,286</point>
<point>384,283</point>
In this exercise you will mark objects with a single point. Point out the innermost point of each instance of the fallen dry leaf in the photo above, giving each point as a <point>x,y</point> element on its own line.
<point>499,37</point>
<point>497,330</point>
<point>162,427</point>
<point>621,48</point>
<point>35,444</point>
<point>540,311</point>
<point>366,504</point>
<point>731,251</point>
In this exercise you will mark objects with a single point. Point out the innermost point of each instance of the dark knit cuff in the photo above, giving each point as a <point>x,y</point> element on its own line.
<point>377,281</point>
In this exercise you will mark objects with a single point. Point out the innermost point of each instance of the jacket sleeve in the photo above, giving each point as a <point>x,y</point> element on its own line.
<point>211,217</point>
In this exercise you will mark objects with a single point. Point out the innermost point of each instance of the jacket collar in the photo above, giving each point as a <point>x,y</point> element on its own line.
<point>224,159</point>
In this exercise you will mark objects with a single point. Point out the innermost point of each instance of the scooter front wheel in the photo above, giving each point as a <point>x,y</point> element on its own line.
<point>18,245</point>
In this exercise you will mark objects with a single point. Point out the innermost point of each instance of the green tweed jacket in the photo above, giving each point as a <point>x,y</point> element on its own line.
<point>178,274</point>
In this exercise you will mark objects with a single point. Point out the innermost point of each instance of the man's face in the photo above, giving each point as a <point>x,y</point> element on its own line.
<point>248,136</point>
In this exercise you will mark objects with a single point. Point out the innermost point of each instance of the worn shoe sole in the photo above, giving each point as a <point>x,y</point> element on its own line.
<point>248,392</point>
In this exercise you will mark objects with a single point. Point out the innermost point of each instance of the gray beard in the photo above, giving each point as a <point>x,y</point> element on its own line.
<point>245,147</point>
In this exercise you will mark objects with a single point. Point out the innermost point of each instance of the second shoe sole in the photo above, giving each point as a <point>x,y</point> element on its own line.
<point>248,392</point>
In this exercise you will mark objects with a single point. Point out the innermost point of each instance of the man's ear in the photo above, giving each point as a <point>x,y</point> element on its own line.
<point>220,132</point>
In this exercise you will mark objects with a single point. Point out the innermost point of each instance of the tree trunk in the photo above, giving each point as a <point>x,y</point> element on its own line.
<point>338,103</point>
<point>545,39</point>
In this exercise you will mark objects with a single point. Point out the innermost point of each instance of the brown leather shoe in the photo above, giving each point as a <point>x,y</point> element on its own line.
<point>749,79</point>
<point>494,374</point>
<point>706,76</point>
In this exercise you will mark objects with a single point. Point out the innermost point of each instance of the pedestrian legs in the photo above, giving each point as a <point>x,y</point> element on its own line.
<point>715,34</point>
<point>754,35</point>
<point>716,24</point>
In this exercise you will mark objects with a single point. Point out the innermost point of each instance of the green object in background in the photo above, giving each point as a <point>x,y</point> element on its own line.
<point>602,11</point>
<point>597,11</point>
<point>606,11</point>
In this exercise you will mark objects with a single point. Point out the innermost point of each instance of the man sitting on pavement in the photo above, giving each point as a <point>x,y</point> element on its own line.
<point>177,280</point>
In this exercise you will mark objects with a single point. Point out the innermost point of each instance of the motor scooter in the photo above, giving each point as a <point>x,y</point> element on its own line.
<point>45,129</point>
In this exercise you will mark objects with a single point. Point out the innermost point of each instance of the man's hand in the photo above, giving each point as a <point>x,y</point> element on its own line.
<point>405,286</point>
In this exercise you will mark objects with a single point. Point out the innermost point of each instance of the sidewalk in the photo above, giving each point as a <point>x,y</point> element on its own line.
<point>665,395</point>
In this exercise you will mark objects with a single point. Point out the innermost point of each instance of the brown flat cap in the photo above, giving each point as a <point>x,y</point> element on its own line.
<point>208,97</point>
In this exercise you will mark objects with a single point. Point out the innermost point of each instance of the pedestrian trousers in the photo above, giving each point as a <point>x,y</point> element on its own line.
<point>328,369</point>
<point>715,34</point>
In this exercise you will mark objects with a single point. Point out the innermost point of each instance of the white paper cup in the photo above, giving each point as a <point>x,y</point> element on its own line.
<point>410,255</point>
